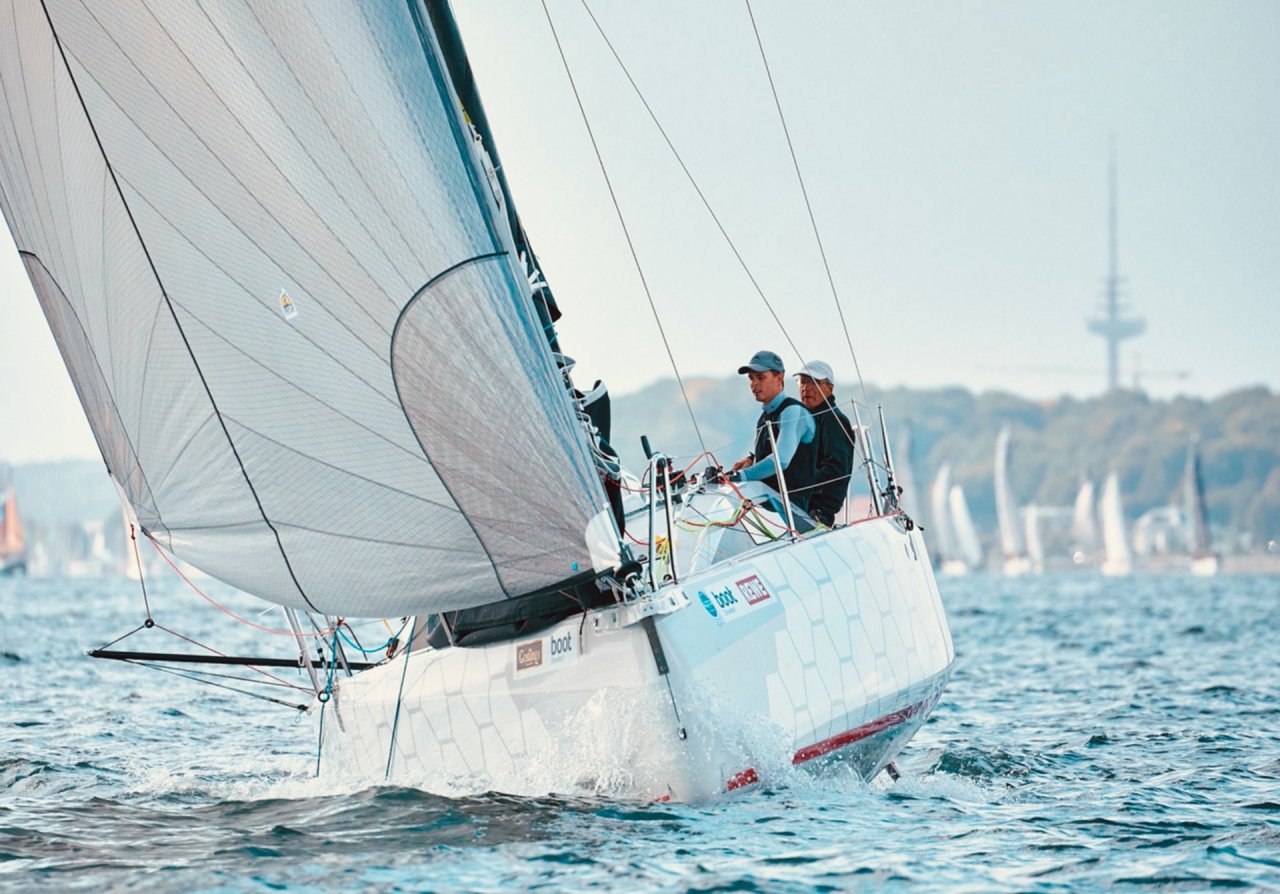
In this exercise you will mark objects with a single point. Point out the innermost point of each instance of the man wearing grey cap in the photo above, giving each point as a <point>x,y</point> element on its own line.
<point>833,442</point>
<point>792,429</point>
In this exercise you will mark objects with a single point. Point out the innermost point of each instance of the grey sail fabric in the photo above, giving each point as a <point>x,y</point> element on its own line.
<point>225,210</point>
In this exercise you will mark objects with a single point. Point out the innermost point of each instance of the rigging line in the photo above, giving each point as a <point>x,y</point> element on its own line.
<point>142,578</point>
<point>804,192</point>
<point>122,636</point>
<point>208,648</point>
<point>622,221</point>
<point>395,723</point>
<point>178,673</point>
<point>694,183</point>
<point>142,243</point>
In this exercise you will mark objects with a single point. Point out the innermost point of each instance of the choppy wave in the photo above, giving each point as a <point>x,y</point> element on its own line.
<point>1096,733</point>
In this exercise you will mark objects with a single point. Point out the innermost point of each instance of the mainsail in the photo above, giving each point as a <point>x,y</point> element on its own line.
<point>290,300</point>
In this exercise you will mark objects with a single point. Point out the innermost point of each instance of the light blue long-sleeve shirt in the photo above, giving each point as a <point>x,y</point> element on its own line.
<point>795,427</point>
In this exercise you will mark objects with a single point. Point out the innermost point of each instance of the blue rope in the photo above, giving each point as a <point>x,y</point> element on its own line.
<point>381,648</point>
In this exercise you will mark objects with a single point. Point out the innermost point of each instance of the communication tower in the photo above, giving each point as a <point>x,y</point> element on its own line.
<point>1113,325</point>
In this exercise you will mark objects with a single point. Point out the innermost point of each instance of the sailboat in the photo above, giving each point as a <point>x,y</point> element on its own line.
<point>1012,549</point>
<point>13,543</point>
<point>1204,562</point>
<point>950,563</point>
<point>1117,560</point>
<point>281,260</point>
<point>1035,546</point>
<point>963,529</point>
<point>1084,526</point>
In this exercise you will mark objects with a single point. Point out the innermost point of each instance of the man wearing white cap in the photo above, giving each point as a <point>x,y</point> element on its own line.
<point>833,442</point>
<point>792,431</point>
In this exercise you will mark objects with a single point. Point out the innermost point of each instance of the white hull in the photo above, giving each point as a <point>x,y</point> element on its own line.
<point>1204,566</point>
<point>954,568</point>
<point>836,646</point>
<point>1116,567</point>
<point>1016,566</point>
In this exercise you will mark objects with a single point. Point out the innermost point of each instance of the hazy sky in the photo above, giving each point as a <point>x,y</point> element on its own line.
<point>956,158</point>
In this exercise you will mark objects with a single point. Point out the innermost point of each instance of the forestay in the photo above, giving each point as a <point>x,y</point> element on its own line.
<point>287,297</point>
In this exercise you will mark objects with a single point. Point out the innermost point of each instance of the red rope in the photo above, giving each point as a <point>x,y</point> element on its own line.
<point>223,609</point>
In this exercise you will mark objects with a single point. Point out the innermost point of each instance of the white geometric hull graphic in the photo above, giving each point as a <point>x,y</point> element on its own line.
<point>836,646</point>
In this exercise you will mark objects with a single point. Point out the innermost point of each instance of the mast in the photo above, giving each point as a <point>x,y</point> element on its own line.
<point>456,63</point>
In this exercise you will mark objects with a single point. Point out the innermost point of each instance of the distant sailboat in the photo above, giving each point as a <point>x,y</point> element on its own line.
<point>949,561</point>
<point>13,542</point>
<point>1117,560</point>
<point>965,535</point>
<point>1204,562</point>
<point>1084,526</point>
<point>1012,549</point>
<point>904,475</point>
<point>1035,547</point>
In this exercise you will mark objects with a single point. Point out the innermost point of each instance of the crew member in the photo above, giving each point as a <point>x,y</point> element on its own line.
<point>792,429</point>
<point>833,442</point>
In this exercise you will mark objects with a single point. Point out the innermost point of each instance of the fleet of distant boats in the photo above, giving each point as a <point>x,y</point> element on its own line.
<point>1092,533</point>
<point>13,542</point>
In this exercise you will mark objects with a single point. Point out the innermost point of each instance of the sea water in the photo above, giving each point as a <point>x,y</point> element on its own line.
<point>1097,732</point>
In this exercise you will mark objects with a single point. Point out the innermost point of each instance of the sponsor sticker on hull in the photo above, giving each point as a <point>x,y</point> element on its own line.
<point>732,599</point>
<point>556,648</point>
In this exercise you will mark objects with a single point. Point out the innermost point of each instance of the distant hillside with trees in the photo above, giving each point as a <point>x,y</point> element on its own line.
<point>1055,442</point>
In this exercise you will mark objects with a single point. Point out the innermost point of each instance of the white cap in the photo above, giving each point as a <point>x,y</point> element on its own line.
<point>819,370</point>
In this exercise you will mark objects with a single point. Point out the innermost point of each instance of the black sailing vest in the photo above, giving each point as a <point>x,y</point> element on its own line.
<point>802,472</point>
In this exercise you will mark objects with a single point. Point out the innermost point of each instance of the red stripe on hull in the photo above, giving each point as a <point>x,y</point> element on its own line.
<point>836,742</point>
<point>826,746</point>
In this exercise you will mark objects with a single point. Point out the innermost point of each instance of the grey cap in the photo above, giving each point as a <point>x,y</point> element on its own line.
<point>763,361</point>
<point>818,370</point>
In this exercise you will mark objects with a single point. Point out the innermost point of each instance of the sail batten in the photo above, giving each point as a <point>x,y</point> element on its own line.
<point>290,303</point>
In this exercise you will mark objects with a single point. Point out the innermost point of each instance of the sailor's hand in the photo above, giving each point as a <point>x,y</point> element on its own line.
<point>740,465</point>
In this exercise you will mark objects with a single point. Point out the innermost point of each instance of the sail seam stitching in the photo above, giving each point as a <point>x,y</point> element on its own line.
<point>248,192</point>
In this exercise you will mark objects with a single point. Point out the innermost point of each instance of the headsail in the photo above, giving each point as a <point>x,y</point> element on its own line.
<point>290,304</point>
